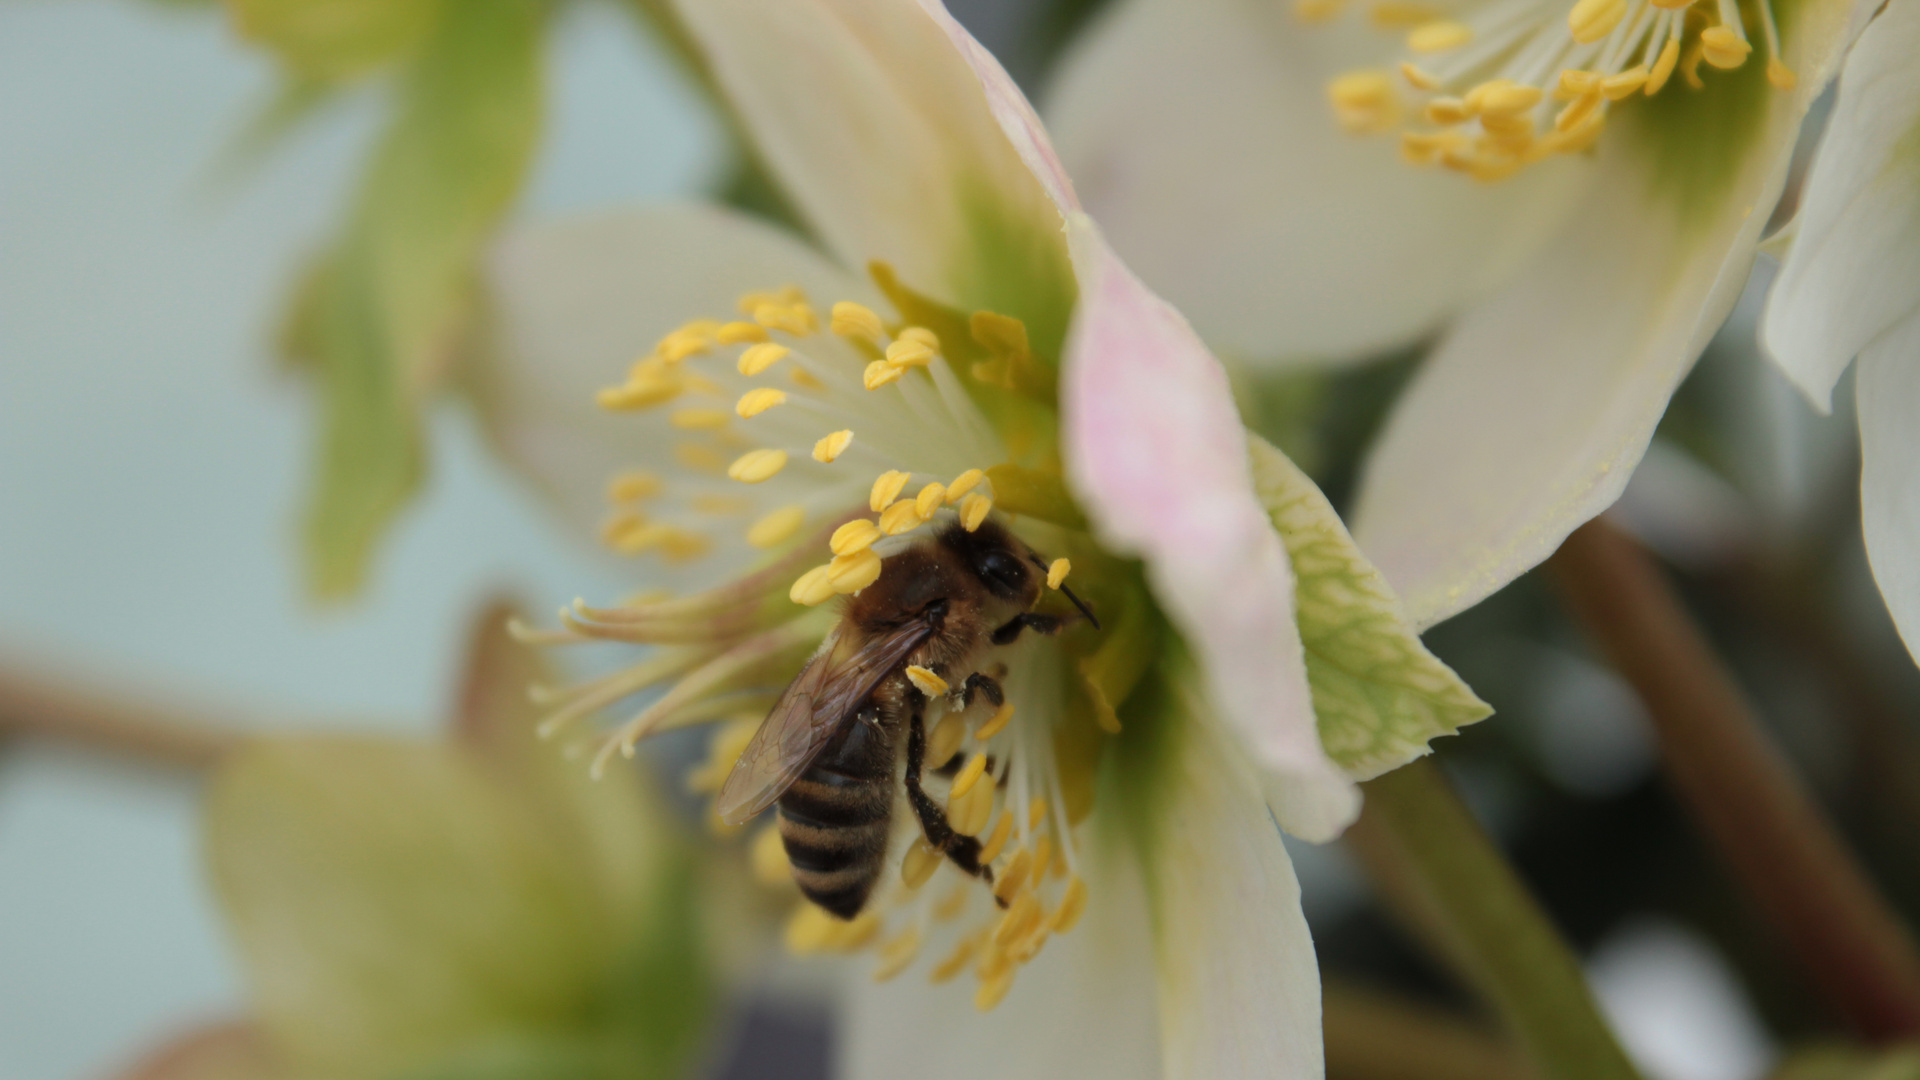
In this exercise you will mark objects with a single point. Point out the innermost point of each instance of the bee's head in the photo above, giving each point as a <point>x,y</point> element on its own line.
<point>998,560</point>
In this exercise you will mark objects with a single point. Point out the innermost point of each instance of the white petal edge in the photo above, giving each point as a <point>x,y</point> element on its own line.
<point>1530,416</point>
<point>1158,458</point>
<point>874,122</point>
<point>578,299</point>
<point>1854,268</point>
<point>1888,389</point>
<point>1201,139</point>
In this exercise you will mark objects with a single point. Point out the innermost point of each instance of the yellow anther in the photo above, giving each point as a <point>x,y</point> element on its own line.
<point>945,740</point>
<point>919,863</point>
<point>832,446</point>
<point>698,457</point>
<point>1014,877</point>
<point>1001,718</point>
<point>1042,858</point>
<point>880,373</point>
<point>951,905</point>
<point>931,498</point>
<point>1365,101</point>
<point>642,536</point>
<point>853,536</point>
<point>1057,572</point>
<point>886,489</point>
<point>759,400</point>
<point>993,960</point>
<point>977,807</point>
<point>1400,15</point>
<point>1571,116</point>
<point>682,546</point>
<point>721,505</point>
<point>851,320</point>
<point>902,516</point>
<point>1663,67</point>
<point>1425,148</point>
<point>769,858</point>
<point>926,680</point>
<point>1073,903</point>
<point>696,383</point>
<point>1447,111</point>
<point>1316,11</point>
<point>854,571</point>
<point>955,963</point>
<point>796,319</point>
<point>896,954</point>
<point>1723,48</point>
<point>1419,78</point>
<point>681,344</point>
<point>698,419</point>
<point>810,929</point>
<point>1780,75</point>
<point>922,335</point>
<point>1591,20</point>
<point>633,486</point>
<point>1575,83</point>
<point>964,483</point>
<point>1502,97</point>
<point>993,991</point>
<point>1019,918</point>
<point>1037,813</point>
<point>1028,946</point>
<point>812,588</point>
<point>755,466</point>
<point>759,358</point>
<point>1438,36</point>
<point>776,528</point>
<point>909,352</point>
<point>1625,84</point>
<point>998,840</point>
<point>740,333</point>
<point>973,510</point>
<point>1690,64</point>
<point>1672,5</point>
<point>970,773</point>
<point>803,378</point>
<point>639,393</point>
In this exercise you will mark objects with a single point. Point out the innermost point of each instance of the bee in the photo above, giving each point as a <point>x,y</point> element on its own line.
<point>827,752</point>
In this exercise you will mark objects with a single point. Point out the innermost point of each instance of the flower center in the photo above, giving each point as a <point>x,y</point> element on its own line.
<point>852,438</point>
<point>1506,83</point>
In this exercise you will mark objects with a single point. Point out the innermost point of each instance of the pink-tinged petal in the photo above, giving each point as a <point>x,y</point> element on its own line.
<point>1156,453</point>
<point>1888,386</point>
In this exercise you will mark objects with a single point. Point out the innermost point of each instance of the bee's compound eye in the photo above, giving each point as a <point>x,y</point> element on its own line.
<point>1003,572</point>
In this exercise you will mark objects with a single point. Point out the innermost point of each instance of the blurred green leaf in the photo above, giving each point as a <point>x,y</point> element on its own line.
<point>1851,1063</point>
<point>335,40</point>
<point>1379,695</point>
<point>379,317</point>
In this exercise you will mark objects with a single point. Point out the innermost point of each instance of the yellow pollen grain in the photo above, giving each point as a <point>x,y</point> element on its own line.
<point>758,400</point>
<point>777,527</point>
<point>902,516</point>
<point>969,775</point>
<point>698,419</point>
<point>769,858</point>
<point>945,740</point>
<point>1447,111</point>
<point>756,466</point>
<point>931,498</point>
<point>1014,877</point>
<point>740,333</point>
<point>1364,101</point>
<point>1591,20</point>
<point>1780,75</point>
<point>964,483</point>
<point>886,489</point>
<point>1723,48</point>
<point>880,373</point>
<point>1663,67</point>
<point>896,954</point>
<point>633,486</point>
<point>922,335</point>
<point>919,863</point>
<point>832,446</point>
<point>1419,78</point>
<point>851,320</point>
<point>854,571</point>
<point>812,588</point>
<point>1625,84</point>
<point>1438,36</point>
<point>759,358</point>
<point>909,352</point>
<point>1001,830</point>
<point>926,680</point>
<point>993,991</point>
<point>973,510</point>
<point>853,536</point>
<point>1073,903</point>
<point>1057,572</point>
<point>1001,718</point>
<point>954,964</point>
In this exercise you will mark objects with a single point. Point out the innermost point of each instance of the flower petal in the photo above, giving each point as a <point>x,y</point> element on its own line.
<point>1854,268</point>
<point>1201,139</point>
<point>1888,387</point>
<point>1157,456</point>
<point>879,129</point>
<point>578,299</point>
<point>1530,416</point>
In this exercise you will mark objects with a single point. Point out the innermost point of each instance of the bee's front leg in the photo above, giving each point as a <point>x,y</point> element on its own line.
<point>1027,620</point>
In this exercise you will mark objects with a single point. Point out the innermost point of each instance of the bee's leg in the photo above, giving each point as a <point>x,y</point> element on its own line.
<point>984,684</point>
<point>962,849</point>
<point>1039,624</point>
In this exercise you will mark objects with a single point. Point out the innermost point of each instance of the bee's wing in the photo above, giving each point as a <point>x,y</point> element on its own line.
<point>814,707</point>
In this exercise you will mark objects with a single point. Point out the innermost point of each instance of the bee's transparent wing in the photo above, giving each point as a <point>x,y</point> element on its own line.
<point>810,712</point>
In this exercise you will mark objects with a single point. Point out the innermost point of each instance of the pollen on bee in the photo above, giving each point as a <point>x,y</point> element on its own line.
<point>1057,572</point>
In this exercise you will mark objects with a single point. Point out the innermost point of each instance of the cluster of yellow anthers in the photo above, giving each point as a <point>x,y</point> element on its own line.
<point>1509,84</point>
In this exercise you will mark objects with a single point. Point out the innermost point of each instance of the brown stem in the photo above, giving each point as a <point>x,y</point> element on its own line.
<point>42,706</point>
<point>1739,788</point>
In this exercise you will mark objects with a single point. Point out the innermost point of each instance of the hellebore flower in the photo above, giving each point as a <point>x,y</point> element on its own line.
<point>1850,286</point>
<point>795,427</point>
<point>1621,160</point>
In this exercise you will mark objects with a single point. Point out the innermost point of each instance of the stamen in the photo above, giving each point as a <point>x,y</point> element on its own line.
<point>1723,48</point>
<point>919,863</point>
<point>902,516</point>
<point>1438,36</point>
<point>1001,717</point>
<point>1663,67</point>
<point>813,588</point>
<point>1317,11</point>
<point>1364,101</point>
<point>854,536</point>
<point>1002,829</point>
<point>831,446</point>
<point>993,991</point>
<point>639,394</point>
<point>973,510</point>
<point>897,954</point>
<point>633,486</point>
<point>758,400</point>
<point>970,774</point>
<point>757,466</point>
<point>740,333</point>
<point>909,352</point>
<point>930,499</point>
<point>777,527</point>
<point>964,483</point>
<point>857,321</point>
<point>928,682</point>
<point>1073,903</point>
<point>880,373</point>
<point>853,571</point>
<point>955,963</point>
<point>796,319</point>
<point>698,419</point>
<point>945,740</point>
<point>887,488</point>
<point>761,357</point>
<point>1057,573</point>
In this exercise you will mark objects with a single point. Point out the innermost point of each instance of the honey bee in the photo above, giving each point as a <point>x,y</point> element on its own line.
<point>826,753</point>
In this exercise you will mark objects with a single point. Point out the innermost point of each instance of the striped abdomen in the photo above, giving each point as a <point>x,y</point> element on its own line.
<point>833,820</point>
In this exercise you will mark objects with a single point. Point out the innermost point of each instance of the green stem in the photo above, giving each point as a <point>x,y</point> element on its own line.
<point>1488,923</point>
<point>1741,790</point>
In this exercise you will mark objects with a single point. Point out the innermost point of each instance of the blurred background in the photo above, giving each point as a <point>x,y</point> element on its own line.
<point>153,458</point>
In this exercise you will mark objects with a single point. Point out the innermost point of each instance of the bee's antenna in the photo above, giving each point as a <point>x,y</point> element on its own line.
<point>1077,602</point>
